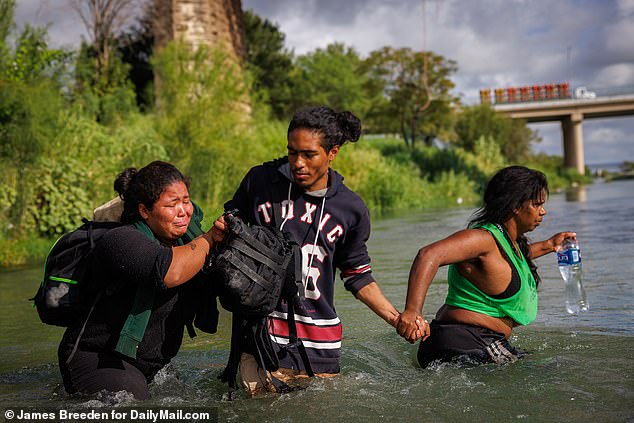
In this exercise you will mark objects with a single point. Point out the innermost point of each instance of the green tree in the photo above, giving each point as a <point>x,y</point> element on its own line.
<point>103,19</point>
<point>6,25</point>
<point>331,76</point>
<point>32,59</point>
<point>28,58</point>
<point>80,161</point>
<point>108,95</point>
<point>135,47</point>
<point>269,62</point>
<point>30,100</point>
<point>513,136</point>
<point>102,84</point>
<point>415,88</point>
<point>28,117</point>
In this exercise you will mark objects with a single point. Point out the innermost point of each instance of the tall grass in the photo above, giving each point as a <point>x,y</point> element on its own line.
<point>391,182</point>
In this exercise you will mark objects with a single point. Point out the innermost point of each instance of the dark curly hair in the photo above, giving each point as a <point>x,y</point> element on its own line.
<point>144,186</point>
<point>335,128</point>
<point>508,190</point>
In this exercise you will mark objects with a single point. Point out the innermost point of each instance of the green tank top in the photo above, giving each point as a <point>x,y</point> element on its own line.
<point>521,307</point>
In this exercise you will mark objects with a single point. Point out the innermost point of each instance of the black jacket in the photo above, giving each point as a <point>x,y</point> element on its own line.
<point>126,258</point>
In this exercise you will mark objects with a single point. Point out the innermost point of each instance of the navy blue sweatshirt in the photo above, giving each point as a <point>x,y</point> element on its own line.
<point>341,243</point>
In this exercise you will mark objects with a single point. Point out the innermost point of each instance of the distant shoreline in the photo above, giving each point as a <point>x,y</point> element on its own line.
<point>610,167</point>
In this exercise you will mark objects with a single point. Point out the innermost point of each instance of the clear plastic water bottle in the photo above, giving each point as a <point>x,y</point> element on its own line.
<point>569,260</point>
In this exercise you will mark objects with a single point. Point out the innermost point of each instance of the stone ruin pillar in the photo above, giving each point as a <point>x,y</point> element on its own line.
<point>201,22</point>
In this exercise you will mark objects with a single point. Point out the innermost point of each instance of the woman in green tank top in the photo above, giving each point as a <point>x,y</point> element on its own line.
<point>492,277</point>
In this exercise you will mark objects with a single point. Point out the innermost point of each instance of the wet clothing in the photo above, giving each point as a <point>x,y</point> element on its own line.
<point>331,231</point>
<point>127,258</point>
<point>520,306</point>
<point>465,344</point>
<point>91,372</point>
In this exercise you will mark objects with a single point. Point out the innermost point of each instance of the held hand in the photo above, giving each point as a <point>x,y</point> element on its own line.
<point>219,230</point>
<point>412,326</point>
<point>424,328</point>
<point>558,239</point>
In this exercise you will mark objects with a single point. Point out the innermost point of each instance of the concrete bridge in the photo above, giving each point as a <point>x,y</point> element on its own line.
<point>571,113</point>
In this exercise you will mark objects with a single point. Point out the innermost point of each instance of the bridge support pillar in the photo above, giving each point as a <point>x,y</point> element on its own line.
<point>573,142</point>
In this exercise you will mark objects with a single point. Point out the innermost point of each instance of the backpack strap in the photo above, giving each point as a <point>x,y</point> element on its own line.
<point>190,330</point>
<point>277,214</point>
<point>134,327</point>
<point>293,339</point>
<point>299,283</point>
<point>249,240</point>
<point>231,370</point>
<point>250,273</point>
<point>81,332</point>
<point>271,259</point>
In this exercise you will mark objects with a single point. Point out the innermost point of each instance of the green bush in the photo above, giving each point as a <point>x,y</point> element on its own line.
<point>23,250</point>
<point>393,181</point>
<point>558,176</point>
<point>202,116</point>
<point>383,183</point>
<point>12,252</point>
<point>79,166</point>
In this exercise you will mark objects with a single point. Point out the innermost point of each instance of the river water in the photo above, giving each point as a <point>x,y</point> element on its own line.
<point>579,368</point>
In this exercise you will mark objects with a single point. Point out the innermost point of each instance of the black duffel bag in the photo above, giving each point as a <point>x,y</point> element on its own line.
<point>256,267</point>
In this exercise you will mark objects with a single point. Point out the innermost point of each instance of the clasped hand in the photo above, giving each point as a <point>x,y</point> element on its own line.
<point>411,326</point>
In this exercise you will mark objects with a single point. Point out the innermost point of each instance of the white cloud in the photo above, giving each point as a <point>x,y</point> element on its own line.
<point>366,31</point>
<point>604,140</point>
<point>625,8</point>
<point>608,140</point>
<point>615,75</point>
<point>605,136</point>
<point>550,133</point>
<point>620,37</point>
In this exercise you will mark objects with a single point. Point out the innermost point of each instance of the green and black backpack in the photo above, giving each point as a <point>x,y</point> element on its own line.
<point>65,295</point>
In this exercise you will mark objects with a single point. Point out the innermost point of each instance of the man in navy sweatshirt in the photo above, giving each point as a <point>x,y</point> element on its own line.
<point>330,223</point>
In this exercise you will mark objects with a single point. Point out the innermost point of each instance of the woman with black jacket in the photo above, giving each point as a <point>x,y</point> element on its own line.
<point>148,267</point>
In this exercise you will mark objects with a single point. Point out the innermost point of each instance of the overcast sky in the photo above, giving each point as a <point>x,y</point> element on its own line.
<point>496,43</point>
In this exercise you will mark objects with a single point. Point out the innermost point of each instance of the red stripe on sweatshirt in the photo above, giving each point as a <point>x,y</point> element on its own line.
<point>279,327</point>
<point>351,272</point>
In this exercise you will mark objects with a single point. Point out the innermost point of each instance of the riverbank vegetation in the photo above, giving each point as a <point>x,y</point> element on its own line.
<point>626,171</point>
<point>69,123</point>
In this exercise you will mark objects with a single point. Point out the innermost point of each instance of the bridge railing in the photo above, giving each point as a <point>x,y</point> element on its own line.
<point>614,91</point>
<point>546,92</point>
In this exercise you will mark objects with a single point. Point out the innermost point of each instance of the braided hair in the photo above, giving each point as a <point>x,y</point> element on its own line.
<point>335,128</point>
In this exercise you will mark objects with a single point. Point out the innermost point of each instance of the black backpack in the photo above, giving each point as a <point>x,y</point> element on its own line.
<point>257,266</point>
<point>63,297</point>
<point>67,297</point>
<point>255,269</point>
